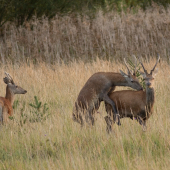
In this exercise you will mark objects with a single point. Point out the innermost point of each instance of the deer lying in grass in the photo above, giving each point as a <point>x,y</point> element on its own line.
<point>133,104</point>
<point>6,102</point>
<point>96,89</point>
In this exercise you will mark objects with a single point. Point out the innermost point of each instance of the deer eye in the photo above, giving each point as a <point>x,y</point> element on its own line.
<point>16,86</point>
<point>132,80</point>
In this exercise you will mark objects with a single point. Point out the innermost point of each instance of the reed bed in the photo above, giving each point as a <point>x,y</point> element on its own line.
<point>109,35</point>
<point>60,143</point>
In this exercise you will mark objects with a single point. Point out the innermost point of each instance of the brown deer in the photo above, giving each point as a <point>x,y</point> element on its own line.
<point>96,89</point>
<point>133,104</point>
<point>6,102</point>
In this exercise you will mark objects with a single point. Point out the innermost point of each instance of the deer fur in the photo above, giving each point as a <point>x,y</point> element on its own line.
<point>134,104</point>
<point>96,89</point>
<point>6,102</point>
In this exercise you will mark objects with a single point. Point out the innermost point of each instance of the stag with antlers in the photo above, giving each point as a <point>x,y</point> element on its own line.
<point>134,104</point>
<point>97,88</point>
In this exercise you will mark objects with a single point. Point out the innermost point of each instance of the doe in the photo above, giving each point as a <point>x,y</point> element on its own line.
<point>6,102</point>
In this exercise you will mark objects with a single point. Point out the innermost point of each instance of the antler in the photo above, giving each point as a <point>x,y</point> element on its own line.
<point>143,67</point>
<point>129,72</point>
<point>135,64</point>
<point>155,64</point>
<point>8,78</point>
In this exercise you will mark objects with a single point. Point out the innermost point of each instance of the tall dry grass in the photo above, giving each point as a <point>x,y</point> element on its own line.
<point>60,143</point>
<point>111,35</point>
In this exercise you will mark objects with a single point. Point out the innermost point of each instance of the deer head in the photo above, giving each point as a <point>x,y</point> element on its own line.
<point>149,77</point>
<point>131,77</point>
<point>12,86</point>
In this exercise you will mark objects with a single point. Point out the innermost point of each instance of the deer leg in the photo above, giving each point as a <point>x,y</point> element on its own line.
<point>77,115</point>
<point>144,127</point>
<point>1,115</point>
<point>91,112</point>
<point>5,115</point>
<point>109,123</point>
<point>78,118</point>
<point>108,119</point>
<point>142,122</point>
<point>89,116</point>
<point>139,119</point>
<point>116,115</point>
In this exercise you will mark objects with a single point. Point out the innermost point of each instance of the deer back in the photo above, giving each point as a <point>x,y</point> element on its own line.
<point>128,102</point>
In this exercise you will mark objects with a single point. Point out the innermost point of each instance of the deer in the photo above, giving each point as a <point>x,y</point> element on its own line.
<point>134,104</point>
<point>96,90</point>
<point>6,102</point>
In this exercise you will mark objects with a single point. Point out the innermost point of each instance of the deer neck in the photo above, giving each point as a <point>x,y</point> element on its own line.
<point>9,95</point>
<point>119,80</point>
<point>150,98</point>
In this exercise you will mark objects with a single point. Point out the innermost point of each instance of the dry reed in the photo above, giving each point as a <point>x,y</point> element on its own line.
<point>107,36</point>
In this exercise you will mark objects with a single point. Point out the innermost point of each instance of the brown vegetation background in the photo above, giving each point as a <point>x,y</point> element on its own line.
<point>106,36</point>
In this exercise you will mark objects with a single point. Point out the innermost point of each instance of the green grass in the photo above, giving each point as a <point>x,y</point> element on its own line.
<point>59,143</point>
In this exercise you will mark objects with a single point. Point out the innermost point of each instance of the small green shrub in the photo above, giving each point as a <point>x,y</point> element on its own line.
<point>138,67</point>
<point>39,111</point>
<point>15,104</point>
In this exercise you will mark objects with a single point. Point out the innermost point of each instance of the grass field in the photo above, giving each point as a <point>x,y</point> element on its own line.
<point>60,143</point>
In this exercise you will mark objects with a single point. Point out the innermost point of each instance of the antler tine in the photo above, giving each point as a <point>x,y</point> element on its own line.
<point>155,64</point>
<point>143,67</point>
<point>129,72</point>
<point>135,63</point>
<point>9,77</point>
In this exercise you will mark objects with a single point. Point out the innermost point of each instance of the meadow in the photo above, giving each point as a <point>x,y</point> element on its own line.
<point>52,60</point>
<point>56,142</point>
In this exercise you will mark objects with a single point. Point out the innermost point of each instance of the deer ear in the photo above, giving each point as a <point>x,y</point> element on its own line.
<point>6,81</point>
<point>123,74</point>
<point>155,72</point>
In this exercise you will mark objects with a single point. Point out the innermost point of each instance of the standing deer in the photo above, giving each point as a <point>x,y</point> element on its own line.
<point>96,89</point>
<point>134,104</point>
<point>6,102</point>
